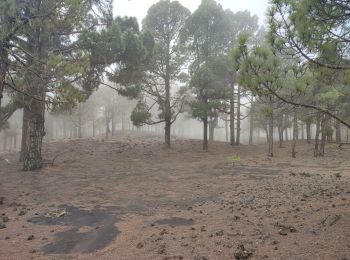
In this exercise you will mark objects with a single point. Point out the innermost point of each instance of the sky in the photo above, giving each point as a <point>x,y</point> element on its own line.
<point>139,8</point>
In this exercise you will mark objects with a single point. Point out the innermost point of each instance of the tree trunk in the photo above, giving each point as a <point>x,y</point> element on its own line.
<point>226,128</point>
<point>324,125</point>
<point>232,115</point>
<point>211,130</point>
<point>80,135</point>
<point>205,134</point>
<point>251,122</point>
<point>270,136</point>
<point>167,133</point>
<point>337,132</point>
<point>280,130</point>
<point>113,121</point>
<point>238,135</point>
<point>34,124</point>
<point>167,106</point>
<point>317,137</point>
<point>308,132</point>
<point>24,135</point>
<point>93,127</point>
<point>302,132</point>
<point>295,134</point>
<point>280,136</point>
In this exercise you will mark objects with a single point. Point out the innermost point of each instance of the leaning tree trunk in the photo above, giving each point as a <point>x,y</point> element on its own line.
<point>34,124</point>
<point>232,114</point>
<point>295,134</point>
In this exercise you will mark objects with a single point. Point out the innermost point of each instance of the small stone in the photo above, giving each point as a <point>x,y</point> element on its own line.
<point>5,219</point>
<point>283,232</point>
<point>139,245</point>
<point>219,233</point>
<point>33,251</point>
<point>22,212</point>
<point>242,253</point>
<point>2,226</point>
<point>7,238</point>
<point>31,237</point>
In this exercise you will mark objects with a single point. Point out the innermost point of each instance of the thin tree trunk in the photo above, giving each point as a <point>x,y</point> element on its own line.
<point>94,127</point>
<point>337,132</point>
<point>167,106</point>
<point>226,128</point>
<point>232,115</point>
<point>270,154</point>
<point>295,134</point>
<point>251,122</point>
<point>24,135</point>
<point>317,137</point>
<point>238,135</point>
<point>205,134</point>
<point>324,125</point>
<point>308,132</point>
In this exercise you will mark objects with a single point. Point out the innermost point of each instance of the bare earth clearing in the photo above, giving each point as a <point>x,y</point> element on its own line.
<point>129,198</point>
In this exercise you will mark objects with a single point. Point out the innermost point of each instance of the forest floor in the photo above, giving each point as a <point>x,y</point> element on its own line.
<point>129,198</point>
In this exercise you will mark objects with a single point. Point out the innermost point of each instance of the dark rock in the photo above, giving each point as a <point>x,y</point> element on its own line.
<point>22,212</point>
<point>2,225</point>
<point>139,245</point>
<point>242,253</point>
<point>5,219</point>
<point>219,233</point>
<point>31,237</point>
<point>7,238</point>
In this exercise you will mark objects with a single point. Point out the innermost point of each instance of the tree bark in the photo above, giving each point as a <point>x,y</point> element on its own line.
<point>308,132</point>
<point>232,114</point>
<point>317,136</point>
<point>337,132</point>
<point>24,135</point>
<point>34,124</point>
<point>251,122</point>
<point>205,134</point>
<point>167,107</point>
<point>324,125</point>
<point>238,135</point>
<point>270,136</point>
<point>295,134</point>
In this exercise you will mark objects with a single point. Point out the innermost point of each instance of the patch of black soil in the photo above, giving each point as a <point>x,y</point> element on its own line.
<point>175,221</point>
<point>101,230</point>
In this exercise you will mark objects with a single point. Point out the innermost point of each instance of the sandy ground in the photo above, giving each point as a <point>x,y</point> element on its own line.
<point>129,198</point>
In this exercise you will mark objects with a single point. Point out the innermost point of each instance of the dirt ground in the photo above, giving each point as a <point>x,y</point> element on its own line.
<point>129,198</point>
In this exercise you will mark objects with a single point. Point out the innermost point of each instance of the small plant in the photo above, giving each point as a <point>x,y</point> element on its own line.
<point>234,159</point>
